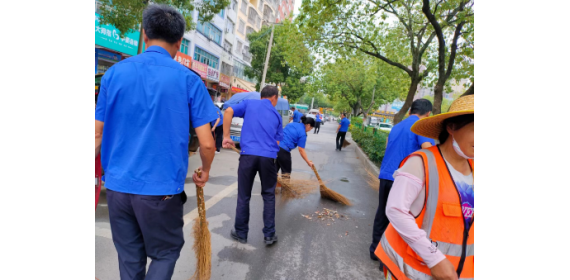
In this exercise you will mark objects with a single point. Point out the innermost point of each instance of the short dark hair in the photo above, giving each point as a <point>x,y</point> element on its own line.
<point>455,123</point>
<point>421,107</point>
<point>309,121</point>
<point>163,22</point>
<point>292,107</point>
<point>269,91</point>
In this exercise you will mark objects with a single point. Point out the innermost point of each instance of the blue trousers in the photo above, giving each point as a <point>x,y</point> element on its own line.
<point>249,166</point>
<point>146,226</point>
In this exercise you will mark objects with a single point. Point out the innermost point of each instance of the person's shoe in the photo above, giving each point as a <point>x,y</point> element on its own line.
<point>237,238</point>
<point>217,152</point>
<point>270,240</point>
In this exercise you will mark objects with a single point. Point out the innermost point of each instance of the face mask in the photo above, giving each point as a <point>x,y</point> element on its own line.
<point>458,150</point>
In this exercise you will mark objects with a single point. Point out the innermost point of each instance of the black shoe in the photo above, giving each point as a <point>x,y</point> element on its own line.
<point>237,238</point>
<point>270,240</point>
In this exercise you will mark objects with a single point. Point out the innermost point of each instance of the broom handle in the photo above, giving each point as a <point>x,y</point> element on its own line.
<point>200,199</point>
<point>236,150</point>
<point>317,174</point>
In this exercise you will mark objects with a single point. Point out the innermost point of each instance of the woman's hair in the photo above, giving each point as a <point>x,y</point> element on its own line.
<point>309,121</point>
<point>455,123</point>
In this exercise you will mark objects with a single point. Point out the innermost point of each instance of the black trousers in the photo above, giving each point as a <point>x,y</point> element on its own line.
<point>249,166</point>
<point>317,127</point>
<point>284,161</point>
<point>340,135</point>
<point>146,226</point>
<point>219,136</point>
<point>381,220</point>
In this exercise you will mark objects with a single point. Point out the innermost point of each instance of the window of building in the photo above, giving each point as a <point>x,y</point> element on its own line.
<point>230,26</point>
<point>244,7</point>
<point>241,27</point>
<point>222,12</point>
<point>206,57</point>
<point>210,31</point>
<point>226,69</point>
<point>248,30</point>
<point>227,46</point>
<point>185,46</point>
<point>239,72</point>
<point>239,47</point>
<point>234,5</point>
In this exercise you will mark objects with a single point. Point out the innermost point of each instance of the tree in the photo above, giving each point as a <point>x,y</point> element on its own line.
<point>360,84</point>
<point>460,15</point>
<point>126,15</point>
<point>290,59</point>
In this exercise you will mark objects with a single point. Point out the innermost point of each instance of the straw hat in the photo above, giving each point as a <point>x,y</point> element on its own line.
<point>432,126</point>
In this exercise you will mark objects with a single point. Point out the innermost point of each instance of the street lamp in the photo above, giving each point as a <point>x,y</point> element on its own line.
<point>262,84</point>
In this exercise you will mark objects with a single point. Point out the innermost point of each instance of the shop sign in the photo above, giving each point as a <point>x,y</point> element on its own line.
<point>213,74</point>
<point>236,89</point>
<point>397,105</point>
<point>108,36</point>
<point>225,80</point>
<point>200,68</point>
<point>108,55</point>
<point>183,59</point>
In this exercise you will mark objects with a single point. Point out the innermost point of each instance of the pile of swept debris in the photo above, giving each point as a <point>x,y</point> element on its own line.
<point>327,215</point>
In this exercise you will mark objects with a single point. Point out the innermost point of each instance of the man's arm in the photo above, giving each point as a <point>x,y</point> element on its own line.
<point>216,124</point>
<point>207,149</point>
<point>98,136</point>
<point>338,128</point>
<point>228,116</point>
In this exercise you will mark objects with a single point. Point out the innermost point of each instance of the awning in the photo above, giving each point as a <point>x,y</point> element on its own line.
<point>236,89</point>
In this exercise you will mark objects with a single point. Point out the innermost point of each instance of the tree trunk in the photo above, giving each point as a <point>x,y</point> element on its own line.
<point>470,90</point>
<point>409,99</point>
<point>437,98</point>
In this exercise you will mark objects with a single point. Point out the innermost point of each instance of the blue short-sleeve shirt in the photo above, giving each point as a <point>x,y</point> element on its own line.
<point>146,103</point>
<point>294,135</point>
<point>344,123</point>
<point>297,116</point>
<point>319,118</point>
<point>262,127</point>
<point>220,115</point>
<point>401,143</point>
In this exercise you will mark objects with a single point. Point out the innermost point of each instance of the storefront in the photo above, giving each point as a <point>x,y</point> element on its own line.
<point>213,78</point>
<point>201,69</point>
<point>110,48</point>
<point>224,86</point>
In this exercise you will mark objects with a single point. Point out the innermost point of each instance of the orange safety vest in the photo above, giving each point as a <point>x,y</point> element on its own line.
<point>441,218</point>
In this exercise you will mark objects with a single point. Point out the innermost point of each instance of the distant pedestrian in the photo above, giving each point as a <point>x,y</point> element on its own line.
<point>294,134</point>
<point>401,143</point>
<point>141,130</point>
<point>218,129</point>
<point>431,234</point>
<point>296,117</point>
<point>260,135</point>
<point>341,131</point>
<point>319,120</point>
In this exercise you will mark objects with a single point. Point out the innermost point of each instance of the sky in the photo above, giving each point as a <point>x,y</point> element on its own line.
<point>297,7</point>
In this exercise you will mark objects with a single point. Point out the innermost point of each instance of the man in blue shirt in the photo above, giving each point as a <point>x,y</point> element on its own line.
<point>318,120</point>
<point>296,115</point>
<point>260,135</point>
<point>142,120</point>
<point>218,128</point>
<point>401,143</point>
<point>341,131</point>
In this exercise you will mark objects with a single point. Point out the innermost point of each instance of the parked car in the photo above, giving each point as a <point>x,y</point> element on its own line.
<point>385,126</point>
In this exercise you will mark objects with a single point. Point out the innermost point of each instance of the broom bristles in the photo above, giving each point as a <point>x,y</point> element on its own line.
<point>334,196</point>
<point>345,143</point>
<point>203,250</point>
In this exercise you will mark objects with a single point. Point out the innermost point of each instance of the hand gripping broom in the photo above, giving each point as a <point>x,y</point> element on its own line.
<point>328,193</point>
<point>202,246</point>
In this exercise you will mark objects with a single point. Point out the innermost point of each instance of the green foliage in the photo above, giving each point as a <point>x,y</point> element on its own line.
<point>356,121</point>
<point>290,59</point>
<point>373,144</point>
<point>126,15</point>
<point>446,103</point>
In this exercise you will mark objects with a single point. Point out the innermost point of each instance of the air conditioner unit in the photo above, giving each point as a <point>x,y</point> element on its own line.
<point>210,37</point>
<point>228,30</point>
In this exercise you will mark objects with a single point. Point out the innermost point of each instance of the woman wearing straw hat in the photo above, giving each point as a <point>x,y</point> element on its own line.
<point>431,204</point>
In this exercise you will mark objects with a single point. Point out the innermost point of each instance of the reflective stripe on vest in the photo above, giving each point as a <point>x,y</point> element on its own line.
<point>433,194</point>
<point>408,270</point>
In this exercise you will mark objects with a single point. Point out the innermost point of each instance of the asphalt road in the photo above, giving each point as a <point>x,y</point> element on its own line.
<point>307,248</point>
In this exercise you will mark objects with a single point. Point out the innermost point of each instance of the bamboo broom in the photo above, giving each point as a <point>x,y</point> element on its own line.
<point>345,143</point>
<point>328,193</point>
<point>202,244</point>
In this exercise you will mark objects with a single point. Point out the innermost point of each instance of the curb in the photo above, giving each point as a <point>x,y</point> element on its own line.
<point>368,164</point>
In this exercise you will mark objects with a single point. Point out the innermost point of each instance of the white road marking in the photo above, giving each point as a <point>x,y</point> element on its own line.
<point>211,202</point>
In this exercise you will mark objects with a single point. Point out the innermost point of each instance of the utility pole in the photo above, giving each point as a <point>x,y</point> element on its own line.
<point>262,85</point>
<point>312,100</point>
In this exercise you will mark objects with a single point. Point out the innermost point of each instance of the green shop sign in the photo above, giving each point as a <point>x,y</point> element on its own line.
<point>108,36</point>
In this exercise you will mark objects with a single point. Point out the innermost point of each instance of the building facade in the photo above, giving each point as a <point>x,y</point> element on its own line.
<point>286,8</point>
